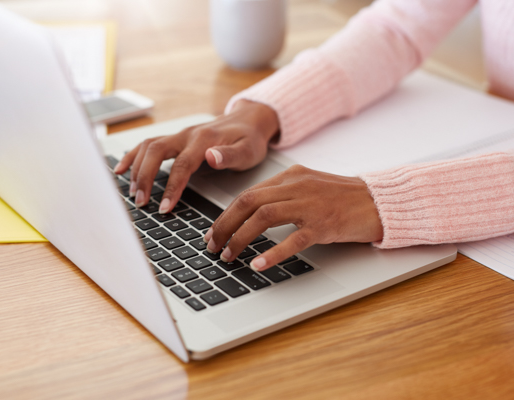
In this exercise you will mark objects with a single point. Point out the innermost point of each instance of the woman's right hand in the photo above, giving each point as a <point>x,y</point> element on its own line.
<point>236,141</point>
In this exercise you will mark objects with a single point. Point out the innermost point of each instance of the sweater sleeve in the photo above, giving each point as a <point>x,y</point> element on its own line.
<point>357,66</point>
<point>445,202</point>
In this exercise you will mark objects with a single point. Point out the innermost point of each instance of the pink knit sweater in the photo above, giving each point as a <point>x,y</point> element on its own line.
<point>451,201</point>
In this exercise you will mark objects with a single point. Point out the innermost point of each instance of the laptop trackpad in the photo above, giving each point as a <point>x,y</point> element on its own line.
<point>278,303</point>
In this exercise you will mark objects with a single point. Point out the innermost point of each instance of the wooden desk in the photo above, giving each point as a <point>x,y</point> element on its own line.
<point>446,334</point>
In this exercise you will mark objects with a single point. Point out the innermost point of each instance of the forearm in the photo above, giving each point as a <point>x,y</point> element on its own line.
<point>356,67</point>
<point>445,202</point>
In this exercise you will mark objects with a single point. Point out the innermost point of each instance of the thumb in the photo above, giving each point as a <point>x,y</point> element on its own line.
<point>238,156</point>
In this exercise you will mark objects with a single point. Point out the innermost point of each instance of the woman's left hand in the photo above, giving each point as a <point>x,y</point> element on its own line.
<point>325,208</point>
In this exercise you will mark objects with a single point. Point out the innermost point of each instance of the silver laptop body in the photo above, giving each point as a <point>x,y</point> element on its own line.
<point>52,172</point>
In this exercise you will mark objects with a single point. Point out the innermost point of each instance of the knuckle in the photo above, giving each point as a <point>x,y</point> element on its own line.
<point>298,169</point>
<point>245,200</point>
<point>302,239</point>
<point>154,147</point>
<point>182,164</point>
<point>267,213</point>
<point>146,143</point>
<point>204,134</point>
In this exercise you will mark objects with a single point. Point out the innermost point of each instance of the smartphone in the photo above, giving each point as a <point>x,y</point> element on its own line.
<point>118,106</point>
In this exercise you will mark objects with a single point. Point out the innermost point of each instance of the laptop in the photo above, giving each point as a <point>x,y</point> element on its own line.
<point>56,174</point>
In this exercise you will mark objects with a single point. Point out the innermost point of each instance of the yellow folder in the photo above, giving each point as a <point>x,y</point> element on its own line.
<point>14,229</point>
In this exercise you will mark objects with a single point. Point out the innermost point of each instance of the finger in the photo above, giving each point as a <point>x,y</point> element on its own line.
<point>157,151</point>
<point>242,208</point>
<point>138,159</point>
<point>185,164</point>
<point>294,243</point>
<point>267,216</point>
<point>239,156</point>
<point>126,161</point>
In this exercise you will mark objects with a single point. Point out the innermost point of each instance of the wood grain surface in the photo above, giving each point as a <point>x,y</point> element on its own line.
<point>443,335</point>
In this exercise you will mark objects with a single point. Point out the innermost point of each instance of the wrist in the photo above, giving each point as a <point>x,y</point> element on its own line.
<point>262,117</point>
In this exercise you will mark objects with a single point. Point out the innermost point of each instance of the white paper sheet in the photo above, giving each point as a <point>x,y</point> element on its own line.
<point>84,48</point>
<point>495,253</point>
<point>426,119</point>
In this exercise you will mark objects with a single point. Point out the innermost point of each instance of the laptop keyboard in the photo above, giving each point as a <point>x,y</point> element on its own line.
<point>176,251</point>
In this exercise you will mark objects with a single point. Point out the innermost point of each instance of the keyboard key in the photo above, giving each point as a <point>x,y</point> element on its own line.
<point>124,190</point>
<point>171,264</point>
<point>161,175</point>
<point>188,234</point>
<point>136,215</point>
<point>232,287</point>
<point>262,247</point>
<point>172,243</point>
<point>120,182</point>
<point>258,239</point>
<point>198,286</point>
<point>195,304</point>
<point>275,274</point>
<point>249,260</point>
<point>126,175</point>
<point>175,225</point>
<point>111,161</point>
<point>156,190</point>
<point>248,252</point>
<point>212,256</point>
<point>213,298</point>
<point>201,223</point>
<point>161,182</point>
<point>129,206</point>
<point>146,224</point>
<point>148,244</point>
<point>140,234</point>
<point>157,254</point>
<point>184,275</point>
<point>198,244</point>
<point>158,197</point>
<point>188,215</point>
<point>213,273</point>
<point>166,280</point>
<point>185,252</point>
<point>159,233</point>
<point>180,292</point>
<point>251,278</point>
<point>298,267</point>
<point>150,208</point>
<point>288,260</point>
<point>230,266</point>
<point>156,270</point>
<point>198,262</point>
<point>200,203</point>
<point>179,207</point>
<point>163,217</point>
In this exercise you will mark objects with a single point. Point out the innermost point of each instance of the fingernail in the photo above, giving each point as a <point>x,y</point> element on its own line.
<point>225,256</point>
<point>217,156</point>
<point>258,263</point>
<point>132,189</point>
<point>165,206</point>
<point>140,198</point>
<point>208,236</point>
<point>116,168</point>
<point>211,246</point>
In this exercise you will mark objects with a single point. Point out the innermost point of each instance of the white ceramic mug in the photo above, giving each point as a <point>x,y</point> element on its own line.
<point>248,34</point>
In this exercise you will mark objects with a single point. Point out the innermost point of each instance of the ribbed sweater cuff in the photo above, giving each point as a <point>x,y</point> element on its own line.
<point>306,94</point>
<point>451,201</point>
